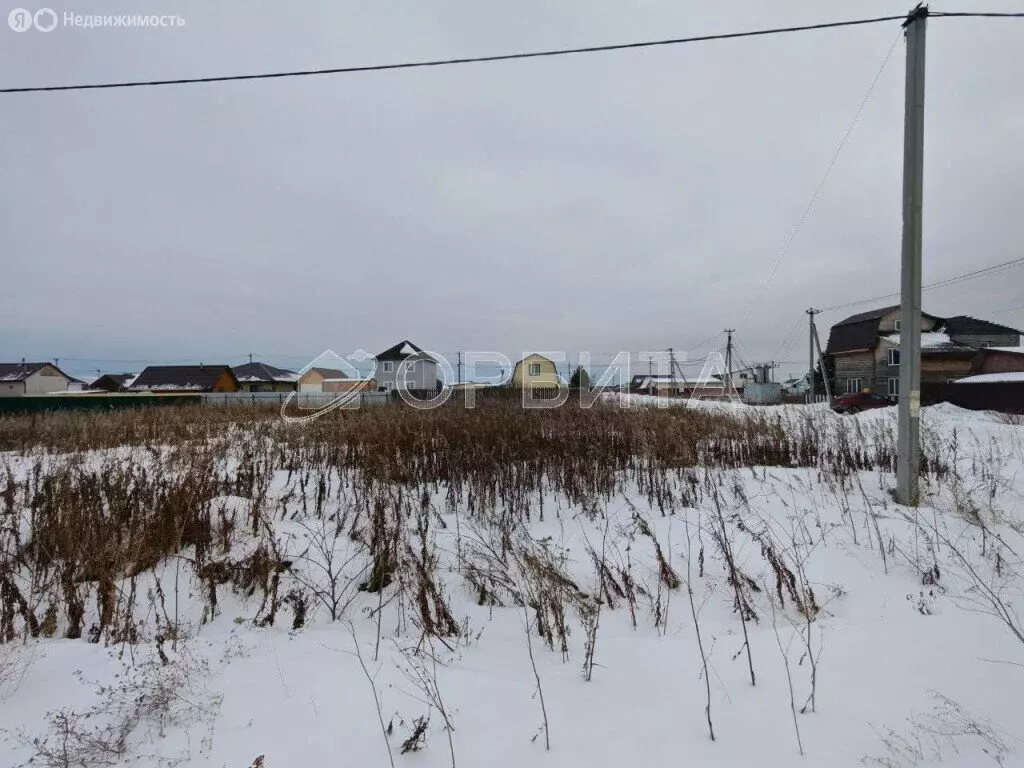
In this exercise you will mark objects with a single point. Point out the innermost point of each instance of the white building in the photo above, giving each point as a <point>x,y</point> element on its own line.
<point>32,379</point>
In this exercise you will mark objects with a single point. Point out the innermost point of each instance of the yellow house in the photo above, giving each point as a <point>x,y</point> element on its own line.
<point>535,372</point>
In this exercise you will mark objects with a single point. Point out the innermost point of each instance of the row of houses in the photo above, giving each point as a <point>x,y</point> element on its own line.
<point>863,354</point>
<point>417,368</point>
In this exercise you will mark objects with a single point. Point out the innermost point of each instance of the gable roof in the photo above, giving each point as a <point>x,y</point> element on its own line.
<point>112,381</point>
<point>859,331</point>
<point>849,336</point>
<point>965,325</point>
<point>404,350</point>
<point>328,373</point>
<point>21,371</point>
<point>874,314</point>
<point>643,381</point>
<point>539,356</point>
<point>175,377</point>
<point>263,372</point>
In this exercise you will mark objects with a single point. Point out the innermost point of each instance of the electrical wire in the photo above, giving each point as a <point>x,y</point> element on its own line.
<point>983,272</point>
<point>974,15</point>
<point>455,61</point>
<point>821,184</point>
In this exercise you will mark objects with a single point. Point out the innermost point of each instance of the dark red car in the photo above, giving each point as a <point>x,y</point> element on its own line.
<point>859,401</point>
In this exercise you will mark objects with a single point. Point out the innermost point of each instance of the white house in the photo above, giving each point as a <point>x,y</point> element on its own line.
<point>32,379</point>
<point>796,386</point>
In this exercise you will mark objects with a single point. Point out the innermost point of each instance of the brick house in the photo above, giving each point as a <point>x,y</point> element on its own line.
<point>864,349</point>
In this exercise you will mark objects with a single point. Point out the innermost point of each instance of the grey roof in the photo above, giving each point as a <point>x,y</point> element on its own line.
<point>21,371</point>
<point>847,336</point>
<point>965,325</point>
<point>404,350</point>
<point>115,380</point>
<point>859,331</point>
<point>172,377</point>
<point>330,373</point>
<point>874,314</point>
<point>263,372</point>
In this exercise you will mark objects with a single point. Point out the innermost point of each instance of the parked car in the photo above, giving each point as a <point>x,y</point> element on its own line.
<point>859,401</point>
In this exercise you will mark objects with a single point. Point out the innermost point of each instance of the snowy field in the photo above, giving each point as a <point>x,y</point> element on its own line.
<point>793,611</point>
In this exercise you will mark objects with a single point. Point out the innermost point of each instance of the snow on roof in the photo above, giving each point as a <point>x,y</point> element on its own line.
<point>928,339</point>
<point>171,387</point>
<point>1016,350</point>
<point>707,381</point>
<point>987,378</point>
<point>292,377</point>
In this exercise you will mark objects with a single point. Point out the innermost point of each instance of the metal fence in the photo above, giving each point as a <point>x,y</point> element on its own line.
<point>300,400</point>
<point>80,402</point>
<point>1004,396</point>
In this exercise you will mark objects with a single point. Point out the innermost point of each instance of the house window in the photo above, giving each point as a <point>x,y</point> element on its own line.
<point>894,357</point>
<point>894,387</point>
<point>853,386</point>
<point>896,325</point>
<point>535,369</point>
<point>389,367</point>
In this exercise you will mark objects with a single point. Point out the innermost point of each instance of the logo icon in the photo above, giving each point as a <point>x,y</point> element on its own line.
<point>19,20</point>
<point>45,20</point>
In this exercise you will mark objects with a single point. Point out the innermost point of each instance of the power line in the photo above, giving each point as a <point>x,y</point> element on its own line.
<point>790,334</point>
<point>464,60</point>
<point>983,272</point>
<point>824,179</point>
<point>975,15</point>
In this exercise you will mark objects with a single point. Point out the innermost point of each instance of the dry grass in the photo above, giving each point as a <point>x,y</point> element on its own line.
<point>101,499</point>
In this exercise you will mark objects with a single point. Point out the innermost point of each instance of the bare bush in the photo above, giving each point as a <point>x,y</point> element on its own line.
<point>142,704</point>
<point>949,727</point>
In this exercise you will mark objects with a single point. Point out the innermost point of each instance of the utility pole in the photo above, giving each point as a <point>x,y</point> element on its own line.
<point>821,360</point>
<point>460,366</point>
<point>811,333</point>
<point>908,455</point>
<point>728,358</point>
<point>672,363</point>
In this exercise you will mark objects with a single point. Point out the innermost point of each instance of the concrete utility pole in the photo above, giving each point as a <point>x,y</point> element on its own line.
<point>672,362</point>
<point>908,456</point>
<point>811,333</point>
<point>821,360</point>
<point>728,358</point>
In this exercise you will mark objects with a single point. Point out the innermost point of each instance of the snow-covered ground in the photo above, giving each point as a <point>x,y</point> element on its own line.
<point>893,644</point>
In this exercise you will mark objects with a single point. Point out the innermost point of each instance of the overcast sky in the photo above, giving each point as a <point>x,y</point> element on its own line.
<point>630,200</point>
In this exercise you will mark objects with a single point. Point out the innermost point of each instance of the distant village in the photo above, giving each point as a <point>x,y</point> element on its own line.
<point>862,355</point>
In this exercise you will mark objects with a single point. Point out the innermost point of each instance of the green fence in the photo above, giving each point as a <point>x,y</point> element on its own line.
<point>43,403</point>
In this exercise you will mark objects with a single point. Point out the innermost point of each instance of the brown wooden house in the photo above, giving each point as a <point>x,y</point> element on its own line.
<point>864,349</point>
